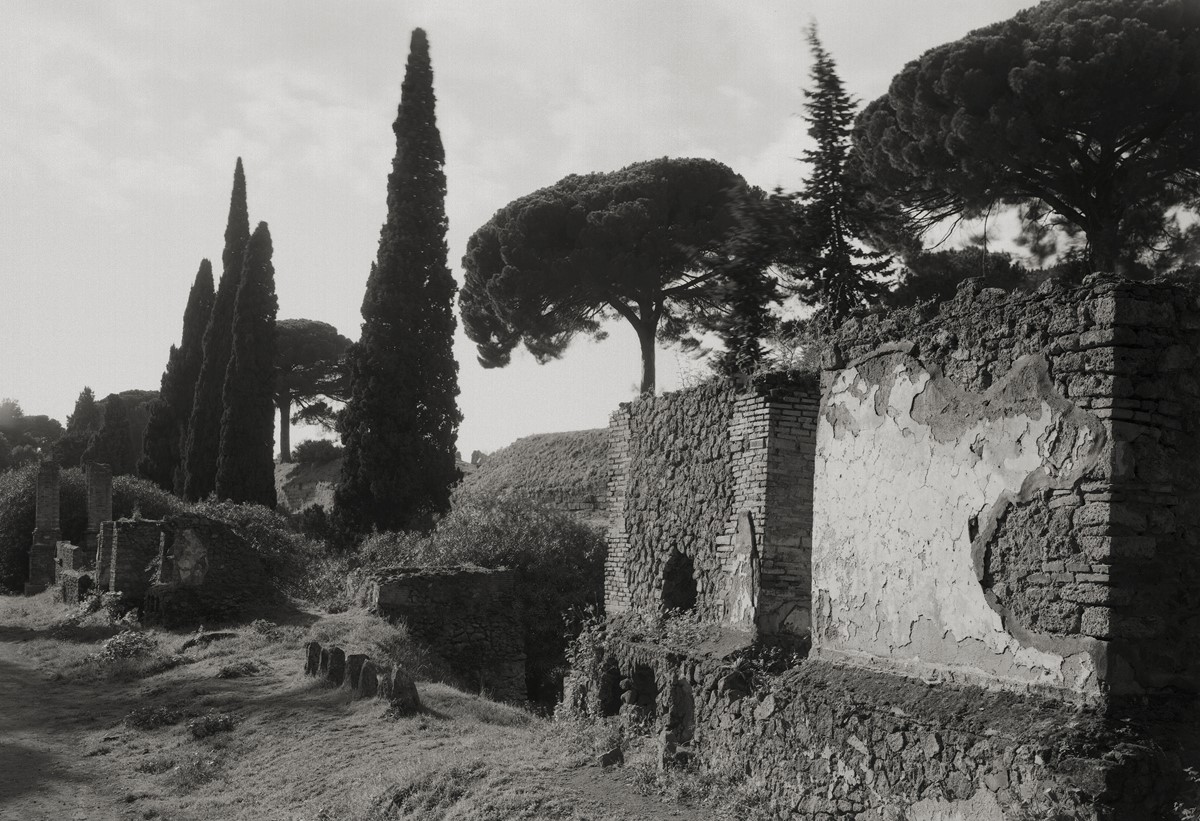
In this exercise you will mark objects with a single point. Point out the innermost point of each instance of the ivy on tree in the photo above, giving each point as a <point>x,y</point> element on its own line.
<point>199,471</point>
<point>1088,107</point>
<point>166,430</point>
<point>246,464</point>
<point>400,424</point>
<point>646,243</point>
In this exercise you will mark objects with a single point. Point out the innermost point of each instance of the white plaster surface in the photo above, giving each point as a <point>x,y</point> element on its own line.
<point>893,576</point>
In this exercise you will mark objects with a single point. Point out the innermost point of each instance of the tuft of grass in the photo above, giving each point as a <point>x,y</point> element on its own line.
<point>358,631</point>
<point>156,766</point>
<point>210,724</point>
<point>240,669</point>
<point>152,717</point>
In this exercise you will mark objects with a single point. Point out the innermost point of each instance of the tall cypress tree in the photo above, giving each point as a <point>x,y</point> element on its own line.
<point>166,430</point>
<point>246,464</point>
<point>400,426</point>
<point>111,444</point>
<point>81,424</point>
<point>204,424</point>
<point>837,273</point>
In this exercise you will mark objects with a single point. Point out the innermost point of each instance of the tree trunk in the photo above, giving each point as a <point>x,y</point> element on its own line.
<point>646,339</point>
<point>284,403</point>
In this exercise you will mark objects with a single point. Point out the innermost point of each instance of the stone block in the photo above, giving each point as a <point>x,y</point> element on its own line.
<point>404,698</point>
<point>354,666</point>
<point>336,672</point>
<point>312,658</point>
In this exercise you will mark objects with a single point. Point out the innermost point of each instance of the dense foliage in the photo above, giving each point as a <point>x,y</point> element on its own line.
<point>317,451</point>
<point>83,421</point>
<point>166,430</point>
<point>18,512</point>
<point>310,371</point>
<point>559,565</point>
<point>935,276</point>
<point>645,243</point>
<point>400,425</point>
<point>23,437</point>
<point>1090,108</point>
<point>203,444</point>
<point>246,463</point>
<point>112,444</point>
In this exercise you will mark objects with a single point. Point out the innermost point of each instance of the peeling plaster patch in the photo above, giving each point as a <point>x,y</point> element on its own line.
<point>917,460</point>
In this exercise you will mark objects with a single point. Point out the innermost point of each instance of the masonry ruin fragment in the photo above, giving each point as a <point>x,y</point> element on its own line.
<point>989,507</point>
<point>178,569</point>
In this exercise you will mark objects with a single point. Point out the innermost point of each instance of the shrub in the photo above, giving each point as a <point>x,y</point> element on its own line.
<point>151,718</point>
<point>295,564</point>
<point>357,631</point>
<point>210,723</point>
<point>316,452</point>
<point>240,669</point>
<point>18,513</point>
<point>558,561</point>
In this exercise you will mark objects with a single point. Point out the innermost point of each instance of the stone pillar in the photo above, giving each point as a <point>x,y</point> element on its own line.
<point>99,503</point>
<point>46,530</point>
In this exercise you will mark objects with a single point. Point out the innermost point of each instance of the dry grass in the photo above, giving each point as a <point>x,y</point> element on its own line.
<point>277,744</point>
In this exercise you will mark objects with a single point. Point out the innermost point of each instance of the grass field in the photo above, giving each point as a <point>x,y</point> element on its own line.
<point>234,730</point>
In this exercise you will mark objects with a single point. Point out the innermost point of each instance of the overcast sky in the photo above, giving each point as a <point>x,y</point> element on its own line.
<point>120,123</point>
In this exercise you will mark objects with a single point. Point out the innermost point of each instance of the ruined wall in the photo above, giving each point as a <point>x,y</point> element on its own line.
<point>1025,497</point>
<point>468,616</point>
<point>716,482</point>
<point>826,742</point>
<point>206,570</point>
<point>135,546</point>
<point>46,532</point>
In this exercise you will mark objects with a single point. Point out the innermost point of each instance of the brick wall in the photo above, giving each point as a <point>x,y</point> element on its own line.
<point>724,478</point>
<point>1070,561</point>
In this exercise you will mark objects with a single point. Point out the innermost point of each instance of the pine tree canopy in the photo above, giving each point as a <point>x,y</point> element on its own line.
<point>1088,107</point>
<point>199,469</point>
<point>246,465</point>
<point>646,243</point>
<point>400,425</point>
<point>166,432</point>
<point>311,370</point>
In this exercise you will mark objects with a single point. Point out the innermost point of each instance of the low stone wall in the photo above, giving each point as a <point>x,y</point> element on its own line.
<point>827,742</point>
<point>468,616</point>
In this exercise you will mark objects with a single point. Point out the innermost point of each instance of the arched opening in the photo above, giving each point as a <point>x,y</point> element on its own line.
<point>679,582</point>
<point>609,695</point>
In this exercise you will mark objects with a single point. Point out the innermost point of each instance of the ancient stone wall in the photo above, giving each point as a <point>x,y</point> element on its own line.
<point>206,570</point>
<point>828,742</point>
<point>135,546</point>
<point>714,486</point>
<point>468,616</point>
<point>1022,484</point>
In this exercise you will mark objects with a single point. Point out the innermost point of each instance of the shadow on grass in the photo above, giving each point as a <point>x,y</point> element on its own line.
<point>27,770</point>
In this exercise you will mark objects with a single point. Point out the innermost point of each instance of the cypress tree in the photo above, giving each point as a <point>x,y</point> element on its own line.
<point>246,464</point>
<point>81,424</point>
<point>839,275</point>
<point>111,445</point>
<point>400,425</point>
<point>204,423</point>
<point>166,432</point>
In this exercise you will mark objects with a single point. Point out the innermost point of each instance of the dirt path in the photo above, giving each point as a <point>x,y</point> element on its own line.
<point>49,739</point>
<point>298,753</point>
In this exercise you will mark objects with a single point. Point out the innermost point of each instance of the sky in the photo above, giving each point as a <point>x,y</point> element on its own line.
<point>120,123</point>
